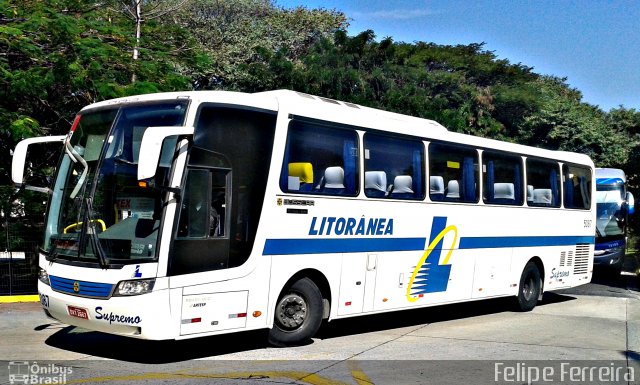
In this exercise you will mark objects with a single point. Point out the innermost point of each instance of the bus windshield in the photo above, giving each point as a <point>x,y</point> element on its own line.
<point>98,212</point>
<point>610,216</point>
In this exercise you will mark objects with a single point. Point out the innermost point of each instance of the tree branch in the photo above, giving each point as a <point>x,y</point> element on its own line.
<point>153,14</point>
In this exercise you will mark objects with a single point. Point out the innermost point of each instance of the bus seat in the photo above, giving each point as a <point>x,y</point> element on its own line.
<point>542,196</point>
<point>503,193</point>
<point>375,184</point>
<point>333,180</point>
<point>453,189</point>
<point>529,193</point>
<point>304,172</point>
<point>402,187</point>
<point>436,188</point>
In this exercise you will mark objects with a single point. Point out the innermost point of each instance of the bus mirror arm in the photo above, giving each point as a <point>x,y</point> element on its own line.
<point>149,183</point>
<point>151,147</point>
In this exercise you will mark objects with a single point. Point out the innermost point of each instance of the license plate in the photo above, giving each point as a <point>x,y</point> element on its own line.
<point>78,312</point>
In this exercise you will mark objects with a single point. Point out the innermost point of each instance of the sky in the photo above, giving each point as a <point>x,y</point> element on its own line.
<point>594,44</point>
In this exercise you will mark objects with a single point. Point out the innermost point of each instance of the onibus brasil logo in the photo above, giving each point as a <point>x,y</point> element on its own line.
<point>25,372</point>
<point>429,276</point>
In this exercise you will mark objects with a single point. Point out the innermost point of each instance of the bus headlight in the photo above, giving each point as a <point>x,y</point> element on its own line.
<point>43,276</point>
<point>137,287</point>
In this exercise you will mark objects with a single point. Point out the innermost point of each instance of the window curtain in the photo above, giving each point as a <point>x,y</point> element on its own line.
<point>584,190</point>
<point>417,173</point>
<point>468,180</point>
<point>284,173</point>
<point>491,179</point>
<point>568,192</point>
<point>349,156</point>
<point>553,181</point>
<point>517,184</point>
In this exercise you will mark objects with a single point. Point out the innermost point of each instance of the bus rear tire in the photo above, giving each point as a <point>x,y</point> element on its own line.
<point>298,314</point>
<point>530,287</point>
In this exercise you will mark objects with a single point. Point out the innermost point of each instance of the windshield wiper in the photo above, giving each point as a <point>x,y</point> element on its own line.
<point>50,256</point>
<point>93,236</point>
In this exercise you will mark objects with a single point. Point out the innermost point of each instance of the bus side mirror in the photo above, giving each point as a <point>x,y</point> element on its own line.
<point>20,157</point>
<point>630,203</point>
<point>151,146</point>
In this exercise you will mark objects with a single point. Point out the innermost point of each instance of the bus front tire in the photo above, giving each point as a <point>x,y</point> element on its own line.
<point>298,314</point>
<point>530,287</point>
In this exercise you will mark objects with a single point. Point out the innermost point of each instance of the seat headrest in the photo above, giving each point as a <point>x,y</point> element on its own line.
<point>542,195</point>
<point>436,185</point>
<point>376,180</point>
<point>503,191</point>
<point>304,171</point>
<point>402,184</point>
<point>334,177</point>
<point>453,189</point>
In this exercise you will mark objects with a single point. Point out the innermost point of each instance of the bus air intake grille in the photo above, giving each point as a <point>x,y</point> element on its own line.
<point>581,259</point>
<point>81,288</point>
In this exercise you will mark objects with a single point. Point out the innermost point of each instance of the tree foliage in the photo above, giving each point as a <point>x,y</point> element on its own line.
<point>243,38</point>
<point>58,55</point>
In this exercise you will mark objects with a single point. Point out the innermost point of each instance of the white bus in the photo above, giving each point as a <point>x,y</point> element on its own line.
<point>180,215</point>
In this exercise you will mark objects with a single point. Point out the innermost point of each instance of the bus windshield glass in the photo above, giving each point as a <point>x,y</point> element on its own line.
<point>98,212</point>
<point>610,215</point>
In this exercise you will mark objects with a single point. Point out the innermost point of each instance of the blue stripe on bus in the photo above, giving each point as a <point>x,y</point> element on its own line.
<point>501,242</point>
<point>354,245</point>
<point>341,245</point>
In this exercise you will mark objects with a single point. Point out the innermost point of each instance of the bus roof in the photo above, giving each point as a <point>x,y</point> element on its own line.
<point>316,107</point>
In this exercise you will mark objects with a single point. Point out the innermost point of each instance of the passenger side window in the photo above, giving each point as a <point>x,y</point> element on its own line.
<point>393,167</point>
<point>543,183</point>
<point>577,187</point>
<point>194,216</point>
<point>502,178</point>
<point>320,160</point>
<point>453,173</point>
<point>204,204</point>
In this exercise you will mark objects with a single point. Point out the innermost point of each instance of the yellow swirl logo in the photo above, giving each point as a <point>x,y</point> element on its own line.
<point>432,277</point>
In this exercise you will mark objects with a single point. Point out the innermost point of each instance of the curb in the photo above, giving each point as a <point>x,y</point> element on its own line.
<point>19,298</point>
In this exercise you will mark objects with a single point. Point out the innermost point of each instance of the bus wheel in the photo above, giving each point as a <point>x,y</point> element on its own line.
<point>298,314</point>
<point>530,287</point>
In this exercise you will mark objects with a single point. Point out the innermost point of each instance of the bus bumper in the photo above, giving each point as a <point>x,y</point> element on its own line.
<point>609,257</point>
<point>144,316</point>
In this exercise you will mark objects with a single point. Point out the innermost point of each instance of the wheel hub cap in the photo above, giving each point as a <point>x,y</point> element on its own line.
<point>292,310</point>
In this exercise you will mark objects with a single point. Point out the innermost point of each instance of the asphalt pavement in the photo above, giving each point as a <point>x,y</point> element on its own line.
<point>594,326</point>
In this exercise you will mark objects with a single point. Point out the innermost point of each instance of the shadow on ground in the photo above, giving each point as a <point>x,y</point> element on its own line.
<point>430,315</point>
<point>153,352</point>
<point>614,280</point>
<point>163,352</point>
<point>610,283</point>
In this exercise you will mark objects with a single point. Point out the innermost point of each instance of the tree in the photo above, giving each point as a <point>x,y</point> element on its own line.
<point>56,56</point>
<point>142,11</point>
<point>564,122</point>
<point>244,38</point>
<point>627,121</point>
